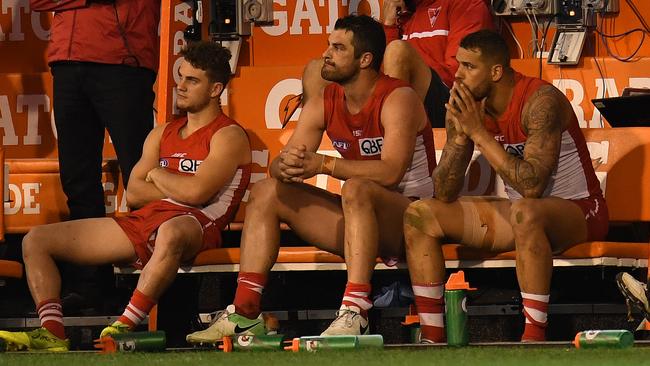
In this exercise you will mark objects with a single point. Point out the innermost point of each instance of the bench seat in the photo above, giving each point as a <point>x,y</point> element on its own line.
<point>620,157</point>
<point>306,258</point>
<point>10,269</point>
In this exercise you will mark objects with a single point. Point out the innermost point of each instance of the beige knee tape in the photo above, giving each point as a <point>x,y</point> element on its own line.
<point>485,228</point>
<point>474,229</point>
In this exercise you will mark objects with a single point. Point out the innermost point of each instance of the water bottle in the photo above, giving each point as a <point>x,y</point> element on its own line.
<point>604,339</point>
<point>132,342</point>
<point>313,344</point>
<point>252,343</point>
<point>456,309</point>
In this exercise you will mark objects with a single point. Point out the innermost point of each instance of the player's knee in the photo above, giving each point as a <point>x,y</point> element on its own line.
<point>312,69</point>
<point>413,217</point>
<point>397,53</point>
<point>356,192</point>
<point>263,193</point>
<point>36,240</point>
<point>524,215</point>
<point>171,240</point>
<point>421,217</point>
<point>311,78</point>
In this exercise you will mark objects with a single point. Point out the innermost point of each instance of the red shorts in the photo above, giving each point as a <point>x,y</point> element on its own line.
<point>141,226</point>
<point>597,216</point>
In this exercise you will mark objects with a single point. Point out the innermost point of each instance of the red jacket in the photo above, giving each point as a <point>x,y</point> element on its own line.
<point>89,31</point>
<point>436,28</point>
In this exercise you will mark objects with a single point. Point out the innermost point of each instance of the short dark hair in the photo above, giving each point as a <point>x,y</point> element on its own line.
<point>492,46</point>
<point>367,36</point>
<point>211,58</point>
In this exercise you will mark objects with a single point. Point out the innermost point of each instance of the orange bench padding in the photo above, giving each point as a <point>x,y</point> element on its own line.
<point>594,249</point>
<point>46,166</point>
<point>10,269</point>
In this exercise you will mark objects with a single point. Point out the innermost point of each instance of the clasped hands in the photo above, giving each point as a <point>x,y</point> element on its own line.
<point>466,113</point>
<point>297,164</point>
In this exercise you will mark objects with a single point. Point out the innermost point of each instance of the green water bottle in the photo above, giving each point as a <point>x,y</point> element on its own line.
<point>132,342</point>
<point>3,345</point>
<point>619,338</point>
<point>456,309</point>
<point>315,343</point>
<point>370,341</point>
<point>252,343</point>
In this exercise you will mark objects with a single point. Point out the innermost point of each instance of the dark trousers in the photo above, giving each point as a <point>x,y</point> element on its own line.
<point>89,98</point>
<point>434,101</point>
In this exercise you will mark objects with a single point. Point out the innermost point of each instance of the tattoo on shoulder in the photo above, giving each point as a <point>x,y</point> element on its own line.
<point>543,121</point>
<point>544,111</point>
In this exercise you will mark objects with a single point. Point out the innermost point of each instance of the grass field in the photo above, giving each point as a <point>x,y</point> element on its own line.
<point>500,356</point>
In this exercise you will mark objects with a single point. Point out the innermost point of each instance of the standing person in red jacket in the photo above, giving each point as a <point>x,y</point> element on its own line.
<point>430,31</point>
<point>103,57</point>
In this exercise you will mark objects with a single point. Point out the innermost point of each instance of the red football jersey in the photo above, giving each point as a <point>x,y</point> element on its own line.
<point>184,156</point>
<point>360,136</point>
<point>574,177</point>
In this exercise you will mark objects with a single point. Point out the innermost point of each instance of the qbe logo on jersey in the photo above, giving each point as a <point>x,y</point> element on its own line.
<point>188,165</point>
<point>371,146</point>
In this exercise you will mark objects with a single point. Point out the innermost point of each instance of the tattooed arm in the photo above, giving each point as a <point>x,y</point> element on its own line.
<point>543,119</point>
<point>449,175</point>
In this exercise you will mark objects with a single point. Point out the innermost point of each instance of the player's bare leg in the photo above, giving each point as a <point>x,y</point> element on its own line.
<point>474,221</point>
<point>403,62</point>
<point>312,213</point>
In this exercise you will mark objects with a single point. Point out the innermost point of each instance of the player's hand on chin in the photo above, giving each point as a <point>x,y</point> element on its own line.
<point>465,111</point>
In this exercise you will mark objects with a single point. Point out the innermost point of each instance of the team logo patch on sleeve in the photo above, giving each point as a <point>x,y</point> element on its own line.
<point>341,145</point>
<point>371,146</point>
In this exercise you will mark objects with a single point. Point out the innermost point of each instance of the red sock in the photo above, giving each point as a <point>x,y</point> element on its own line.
<point>535,311</point>
<point>138,309</point>
<point>429,303</point>
<point>357,295</point>
<point>51,315</point>
<point>250,286</point>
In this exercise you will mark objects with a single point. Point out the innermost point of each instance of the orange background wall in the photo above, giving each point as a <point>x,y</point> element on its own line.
<point>272,55</point>
<point>300,34</point>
